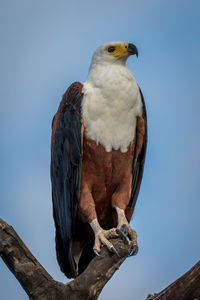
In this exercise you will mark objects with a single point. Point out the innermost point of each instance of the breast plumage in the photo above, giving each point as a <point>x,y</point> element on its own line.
<point>110,106</point>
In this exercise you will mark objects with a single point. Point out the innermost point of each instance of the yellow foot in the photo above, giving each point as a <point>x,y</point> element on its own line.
<point>102,238</point>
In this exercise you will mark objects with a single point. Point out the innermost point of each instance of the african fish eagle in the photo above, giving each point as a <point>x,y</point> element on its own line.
<point>98,146</point>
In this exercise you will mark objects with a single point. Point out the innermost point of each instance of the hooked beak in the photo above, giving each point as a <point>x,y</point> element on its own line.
<point>132,49</point>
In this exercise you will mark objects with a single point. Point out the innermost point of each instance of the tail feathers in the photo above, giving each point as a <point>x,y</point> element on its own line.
<point>74,255</point>
<point>64,257</point>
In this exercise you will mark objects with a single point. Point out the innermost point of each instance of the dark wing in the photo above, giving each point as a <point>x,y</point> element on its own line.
<point>66,158</point>
<point>139,155</point>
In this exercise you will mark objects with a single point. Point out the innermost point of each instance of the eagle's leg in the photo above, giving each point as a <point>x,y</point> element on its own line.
<point>87,214</point>
<point>102,237</point>
<point>124,229</point>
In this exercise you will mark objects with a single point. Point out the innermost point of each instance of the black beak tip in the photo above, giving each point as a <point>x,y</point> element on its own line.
<point>132,49</point>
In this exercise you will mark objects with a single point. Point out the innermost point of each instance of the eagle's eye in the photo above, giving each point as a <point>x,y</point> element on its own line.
<point>111,49</point>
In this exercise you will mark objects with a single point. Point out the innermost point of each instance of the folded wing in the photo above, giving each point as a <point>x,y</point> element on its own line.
<point>139,154</point>
<point>66,161</point>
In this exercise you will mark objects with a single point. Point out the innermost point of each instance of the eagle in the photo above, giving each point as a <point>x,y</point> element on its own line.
<point>98,146</point>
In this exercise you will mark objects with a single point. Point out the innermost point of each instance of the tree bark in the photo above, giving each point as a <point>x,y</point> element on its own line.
<point>38,284</point>
<point>187,287</point>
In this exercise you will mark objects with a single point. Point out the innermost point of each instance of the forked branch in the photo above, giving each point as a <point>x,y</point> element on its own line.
<point>38,284</point>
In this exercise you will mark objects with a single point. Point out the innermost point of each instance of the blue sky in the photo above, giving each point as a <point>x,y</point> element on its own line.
<point>45,46</point>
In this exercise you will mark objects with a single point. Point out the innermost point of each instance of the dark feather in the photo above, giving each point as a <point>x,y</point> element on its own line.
<point>66,173</point>
<point>138,163</point>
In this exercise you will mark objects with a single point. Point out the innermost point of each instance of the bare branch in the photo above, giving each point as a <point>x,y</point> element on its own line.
<point>38,284</point>
<point>187,287</point>
<point>91,282</point>
<point>28,271</point>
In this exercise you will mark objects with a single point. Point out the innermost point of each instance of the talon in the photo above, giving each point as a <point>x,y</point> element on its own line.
<point>124,228</point>
<point>102,238</point>
<point>114,251</point>
<point>96,252</point>
<point>134,251</point>
<point>122,235</point>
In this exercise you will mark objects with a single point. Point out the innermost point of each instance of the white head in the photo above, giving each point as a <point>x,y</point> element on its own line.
<point>113,52</point>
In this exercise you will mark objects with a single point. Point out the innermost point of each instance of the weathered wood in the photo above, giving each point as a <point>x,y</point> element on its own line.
<point>39,285</point>
<point>32,276</point>
<point>187,287</point>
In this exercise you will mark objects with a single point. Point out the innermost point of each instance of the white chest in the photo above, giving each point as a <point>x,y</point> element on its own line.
<point>110,106</point>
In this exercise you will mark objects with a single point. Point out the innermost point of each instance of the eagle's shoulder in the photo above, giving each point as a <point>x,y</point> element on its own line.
<point>71,101</point>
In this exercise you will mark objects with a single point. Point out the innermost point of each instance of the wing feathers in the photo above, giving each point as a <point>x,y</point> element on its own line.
<point>139,155</point>
<point>66,161</point>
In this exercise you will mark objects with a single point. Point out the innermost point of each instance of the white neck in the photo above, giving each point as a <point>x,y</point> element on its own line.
<point>111,104</point>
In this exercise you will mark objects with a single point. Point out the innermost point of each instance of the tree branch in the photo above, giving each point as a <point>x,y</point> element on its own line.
<point>38,284</point>
<point>28,271</point>
<point>187,287</point>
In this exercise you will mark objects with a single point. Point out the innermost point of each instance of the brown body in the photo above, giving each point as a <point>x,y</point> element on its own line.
<point>105,183</point>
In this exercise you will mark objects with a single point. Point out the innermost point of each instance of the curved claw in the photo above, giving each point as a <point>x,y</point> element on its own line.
<point>114,251</point>
<point>123,228</point>
<point>122,235</point>
<point>134,250</point>
<point>96,252</point>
